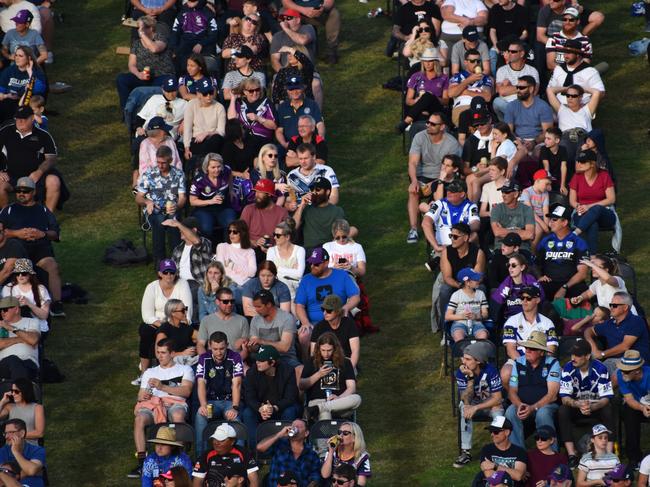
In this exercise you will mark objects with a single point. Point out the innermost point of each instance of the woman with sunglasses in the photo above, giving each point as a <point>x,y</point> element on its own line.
<point>195,70</point>
<point>350,448</point>
<point>156,294</point>
<point>215,278</point>
<point>345,253</point>
<point>20,403</point>
<point>205,122</point>
<point>237,256</point>
<point>249,104</point>
<point>424,37</point>
<point>250,36</point>
<point>32,295</point>
<point>266,280</point>
<point>176,327</point>
<point>543,459</point>
<point>297,65</point>
<point>288,258</point>
<point>574,117</point>
<point>508,295</point>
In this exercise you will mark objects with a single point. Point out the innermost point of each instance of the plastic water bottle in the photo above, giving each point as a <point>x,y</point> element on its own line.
<point>470,323</point>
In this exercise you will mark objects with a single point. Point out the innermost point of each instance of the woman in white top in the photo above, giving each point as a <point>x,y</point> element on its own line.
<point>205,122</point>
<point>24,285</point>
<point>598,461</point>
<point>156,294</point>
<point>458,14</point>
<point>604,281</point>
<point>237,257</point>
<point>287,257</point>
<point>502,145</point>
<point>345,253</point>
<point>490,195</point>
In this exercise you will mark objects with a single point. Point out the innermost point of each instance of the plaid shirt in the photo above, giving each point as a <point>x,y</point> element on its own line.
<point>200,257</point>
<point>306,466</point>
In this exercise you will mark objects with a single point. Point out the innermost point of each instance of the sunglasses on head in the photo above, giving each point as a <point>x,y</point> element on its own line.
<point>252,21</point>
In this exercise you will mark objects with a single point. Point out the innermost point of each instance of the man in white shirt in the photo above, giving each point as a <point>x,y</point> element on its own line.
<point>18,342</point>
<point>301,178</point>
<point>508,75</point>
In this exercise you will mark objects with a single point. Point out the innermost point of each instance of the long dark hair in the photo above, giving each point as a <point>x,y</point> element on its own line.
<point>26,389</point>
<point>338,358</point>
<point>434,33</point>
<point>200,62</point>
<point>244,236</point>
<point>33,281</point>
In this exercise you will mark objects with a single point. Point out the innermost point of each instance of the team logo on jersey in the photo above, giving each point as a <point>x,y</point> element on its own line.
<point>551,245</point>
<point>307,111</point>
<point>560,245</point>
<point>208,189</point>
<point>569,245</point>
<point>212,374</point>
<point>474,211</point>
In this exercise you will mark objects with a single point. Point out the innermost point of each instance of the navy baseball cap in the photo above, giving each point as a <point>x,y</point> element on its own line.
<point>295,83</point>
<point>170,84</point>
<point>205,86</point>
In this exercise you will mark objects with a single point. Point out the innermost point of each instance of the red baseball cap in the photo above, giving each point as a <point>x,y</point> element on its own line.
<point>291,12</point>
<point>265,186</point>
<point>541,174</point>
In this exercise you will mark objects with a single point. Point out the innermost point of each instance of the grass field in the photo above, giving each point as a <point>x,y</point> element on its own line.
<point>406,413</point>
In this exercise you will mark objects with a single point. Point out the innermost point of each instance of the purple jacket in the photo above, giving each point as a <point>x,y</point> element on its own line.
<point>508,293</point>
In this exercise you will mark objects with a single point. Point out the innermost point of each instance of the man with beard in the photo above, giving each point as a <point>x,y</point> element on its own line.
<point>262,217</point>
<point>528,116</point>
<point>570,31</point>
<point>575,70</point>
<point>301,178</point>
<point>316,214</point>
<point>507,76</point>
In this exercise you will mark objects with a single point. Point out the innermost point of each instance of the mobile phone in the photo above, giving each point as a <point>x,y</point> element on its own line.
<point>342,260</point>
<point>328,363</point>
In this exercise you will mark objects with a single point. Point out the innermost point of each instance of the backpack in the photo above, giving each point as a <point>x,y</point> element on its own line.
<point>123,253</point>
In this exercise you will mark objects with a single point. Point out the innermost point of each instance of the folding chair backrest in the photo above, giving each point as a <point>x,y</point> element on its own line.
<point>264,430</point>
<point>321,431</point>
<point>184,433</point>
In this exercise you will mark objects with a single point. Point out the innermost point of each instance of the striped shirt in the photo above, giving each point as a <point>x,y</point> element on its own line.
<point>596,469</point>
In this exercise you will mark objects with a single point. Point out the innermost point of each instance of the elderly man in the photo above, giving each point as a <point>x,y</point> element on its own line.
<point>534,385</point>
<point>560,255</point>
<point>634,384</point>
<point>512,216</point>
<point>292,452</point>
<point>586,392</point>
<point>428,149</point>
<point>262,217</point>
<point>301,178</point>
<point>507,76</point>
<point>306,135</point>
<point>29,152</point>
<point>502,455</point>
<point>29,457</point>
<point>225,460</point>
<point>316,213</point>
<point>479,389</point>
<point>469,82</point>
<point>622,332</point>
<point>226,320</point>
<point>290,111</point>
<point>470,40</point>
<point>528,116</point>
<point>319,13</point>
<point>19,342</point>
<point>35,226</point>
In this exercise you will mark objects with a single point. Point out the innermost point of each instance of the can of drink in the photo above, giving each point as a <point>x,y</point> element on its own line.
<point>292,432</point>
<point>3,333</point>
<point>147,72</point>
<point>169,207</point>
<point>210,409</point>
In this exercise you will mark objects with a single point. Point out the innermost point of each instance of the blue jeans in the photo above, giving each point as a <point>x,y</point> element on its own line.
<point>208,216</point>
<point>596,217</point>
<point>543,417</point>
<point>158,235</point>
<point>252,418</point>
<point>127,82</point>
<point>219,409</point>
<point>467,426</point>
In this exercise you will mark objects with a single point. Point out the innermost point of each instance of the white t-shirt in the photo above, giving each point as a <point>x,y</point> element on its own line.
<point>491,195</point>
<point>507,149</point>
<point>185,265</point>
<point>512,75</point>
<point>171,376</point>
<point>596,469</point>
<point>352,252</point>
<point>588,78</point>
<point>29,296</point>
<point>156,106</point>
<point>645,468</point>
<point>466,8</point>
<point>568,119</point>
<point>22,350</point>
<point>605,292</point>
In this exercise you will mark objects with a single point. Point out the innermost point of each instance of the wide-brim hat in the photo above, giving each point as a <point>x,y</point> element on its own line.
<point>23,265</point>
<point>631,361</point>
<point>536,340</point>
<point>166,436</point>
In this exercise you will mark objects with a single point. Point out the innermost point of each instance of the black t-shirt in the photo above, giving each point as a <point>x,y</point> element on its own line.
<point>346,330</point>
<point>506,457</point>
<point>211,467</point>
<point>457,263</point>
<point>182,335</point>
<point>25,154</point>
<point>555,164</point>
<point>17,216</point>
<point>334,381</point>
<point>409,15</point>
<point>471,152</point>
<point>508,23</point>
<point>238,159</point>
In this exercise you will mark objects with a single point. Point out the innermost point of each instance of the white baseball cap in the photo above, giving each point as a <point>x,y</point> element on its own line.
<point>223,432</point>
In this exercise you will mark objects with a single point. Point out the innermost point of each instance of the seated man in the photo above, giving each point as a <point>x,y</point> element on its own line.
<point>534,385</point>
<point>321,13</point>
<point>634,382</point>
<point>502,455</point>
<point>29,457</point>
<point>36,228</point>
<point>226,320</point>
<point>306,135</point>
<point>468,83</point>
<point>29,152</point>
<point>162,397</point>
<point>226,459</point>
<point>19,345</point>
<point>301,178</point>
<point>290,111</point>
<point>580,71</point>
<point>316,213</point>
<point>508,75</point>
<point>262,217</point>
<point>586,391</point>
<point>271,391</point>
<point>292,452</point>
<point>219,375</point>
<point>471,39</point>
<point>528,116</point>
<point>292,31</point>
<point>479,389</point>
<point>512,216</point>
<point>622,332</point>
<point>164,11</point>
<point>569,31</point>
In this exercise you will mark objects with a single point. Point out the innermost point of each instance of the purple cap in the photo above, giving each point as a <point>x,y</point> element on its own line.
<point>500,478</point>
<point>560,473</point>
<point>318,256</point>
<point>23,17</point>
<point>621,472</point>
<point>167,265</point>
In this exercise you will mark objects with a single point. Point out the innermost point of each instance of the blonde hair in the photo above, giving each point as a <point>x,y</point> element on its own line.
<point>225,281</point>
<point>419,45</point>
<point>437,68</point>
<point>359,442</point>
<point>260,161</point>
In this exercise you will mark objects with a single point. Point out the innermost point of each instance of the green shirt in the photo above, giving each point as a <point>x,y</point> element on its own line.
<point>317,224</point>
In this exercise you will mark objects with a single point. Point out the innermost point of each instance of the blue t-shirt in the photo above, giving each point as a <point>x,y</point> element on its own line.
<point>313,290</point>
<point>487,382</point>
<point>631,326</point>
<point>638,388</point>
<point>13,80</point>
<point>280,290</point>
<point>595,386</point>
<point>288,117</point>
<point>528,121</point>
<point>154,465</point>
<point>30,452</point>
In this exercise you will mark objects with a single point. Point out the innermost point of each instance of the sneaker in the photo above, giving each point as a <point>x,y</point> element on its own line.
<point>401,127</point>
<point>136,381</point>
<point>412,236</point>
<point>56,309</point>
<point>433,264</point>
<point>574,461</point>
<point>136,473</point>
<point>463,459</point>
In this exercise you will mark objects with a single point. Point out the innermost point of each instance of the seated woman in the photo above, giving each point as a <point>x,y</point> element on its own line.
<point>22,76</point>
<point>246,32</point>
<point>254,111</point>
<point>196,71</point>
<point>605,281</point>
<point>426,90</point>
<point>349,448</point>
<point>20,403</point>
<point>598,460</point>
<point>238,154</point>
<point>468,307</point>
<point>423,37</point>
<point>267,167</point>
<point>502,145</point>
<point>177,328</point>
<point>205,122</point>
<point>288,257</point>
<point>451,169</point>
<point>343,327</point>
<point>237,257</point>
<point>592,195</point>
<point>329,380</point>
<point>344,252</point>
<point>158,135</point>
<point>156,294</point>
<point>23,35</point>
<point>266,280</point>
<point>507,295</point>
<point>34,298</point>
<point>297,65</point>
<point>215,278</point>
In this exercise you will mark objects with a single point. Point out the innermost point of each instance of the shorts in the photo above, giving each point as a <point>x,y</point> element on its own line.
<point>170,411</point>
<point>461,325</point>
<point>39,249</point>
<point>292,362</point>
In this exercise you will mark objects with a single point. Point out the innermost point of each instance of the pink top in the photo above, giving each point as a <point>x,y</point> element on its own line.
<point>587,194</point>
<point>239,263</point>
<point>147,157</point>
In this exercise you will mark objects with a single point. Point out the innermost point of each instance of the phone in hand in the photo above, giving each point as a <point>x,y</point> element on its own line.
<point>343,260</point>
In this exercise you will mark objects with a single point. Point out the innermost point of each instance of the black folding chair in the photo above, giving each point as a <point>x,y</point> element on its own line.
<point>264,430</point>
<point>322,431</point>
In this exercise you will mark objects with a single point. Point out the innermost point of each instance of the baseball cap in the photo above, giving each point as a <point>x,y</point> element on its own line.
<point>23,16</point>
<point>223,432</point>
<point>290,12</point>
<point>167,265</point>
<point>265,186</point>
<point>469,274</point>
<point>546,432</point>
<point>479,117</point>
<point>470,33</point>
<point>586,156</point>
<point>512,239</point>
<point>560,473</point>
<point>205,86</point>
<point>532,291</point>
<point>599,429</point>
<point>572,11</point>
<point>499,423</point>
<point>170,84</point>
<point>295,83</point>
<point>510,186</point>
<point>541,174</point>
<point>500,478</point>
<point>581,348</point>
<point>457,186</point>
<point>158,123</point>
<point>25,182</point>
<point>621,472</point>
<point>318,256</point>
<point>24,112</point>
<point>321,182</point>
<point>9,302</point>
<point>332,303</point>
<point>558,210</point>
<point>267,352</point>
<point>245,51</point>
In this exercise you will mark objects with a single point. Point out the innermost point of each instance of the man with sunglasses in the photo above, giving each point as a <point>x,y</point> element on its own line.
<point>344,475</point>
<point>576,70</point>
<point>316,213</point>
<point>549,20</point>
<point>502,455</point>
<point>30,458</point>
<point>19,350</point>
<point>512,216</point>
<point>508,75</point>
<point>292,31</point>
<point>469,82</point>
<point>622,332</point>
<point>528,116</point>
<point>570,30</point>
<point>225,320</point>
<point>634,385</point>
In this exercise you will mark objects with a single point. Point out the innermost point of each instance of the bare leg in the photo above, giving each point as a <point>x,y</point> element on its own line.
<point>317,90</point>
<point>412,207</point>
<point>141,421</point>
<point>50,265</point>
<point>52,192</point>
